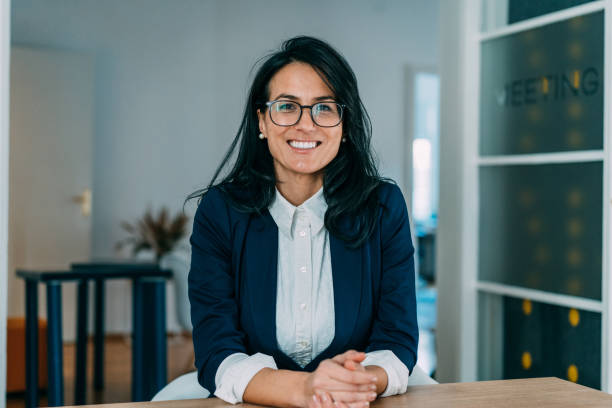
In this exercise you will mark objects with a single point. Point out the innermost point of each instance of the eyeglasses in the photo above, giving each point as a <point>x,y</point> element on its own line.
<point>288,113</point>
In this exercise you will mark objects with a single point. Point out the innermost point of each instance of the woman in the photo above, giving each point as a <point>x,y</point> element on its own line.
<point>302,254</point>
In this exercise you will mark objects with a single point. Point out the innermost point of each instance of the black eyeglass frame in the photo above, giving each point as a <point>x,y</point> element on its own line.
<point>270,103</point>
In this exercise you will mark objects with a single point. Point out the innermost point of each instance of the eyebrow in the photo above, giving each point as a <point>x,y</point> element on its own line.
<point>295,98</point>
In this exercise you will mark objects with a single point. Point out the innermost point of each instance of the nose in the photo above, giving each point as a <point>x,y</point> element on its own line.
<point>305,122</point>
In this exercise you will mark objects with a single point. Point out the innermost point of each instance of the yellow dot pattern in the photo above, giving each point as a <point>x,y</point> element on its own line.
<point>574,139</point>
<point>526,360</point>
<point>574,110</point>
<point>542,255</point>
<point>574,198</point>
<point>544,85</point>
<point>574,317</point>
<point>534,226</point>
<point>572,373</point>
<point>575,51</point>
<point>526,143</point>
<point>526,198</point>
<point>536,58</point>
<point>534,114</point>
<point>575,228</point>
<point>527,306</point>
<point>574,257</point>
<point>576,75</point>
<point>574,285</point>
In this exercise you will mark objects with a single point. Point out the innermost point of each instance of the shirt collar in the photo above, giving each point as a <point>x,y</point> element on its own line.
<point>284,213</point>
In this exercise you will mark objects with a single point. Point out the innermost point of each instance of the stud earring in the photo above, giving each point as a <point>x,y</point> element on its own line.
<point>261,136</point>
<point>344,140</point>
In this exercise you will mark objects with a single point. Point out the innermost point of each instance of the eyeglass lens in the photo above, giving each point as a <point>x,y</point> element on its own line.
<point>287,113</point>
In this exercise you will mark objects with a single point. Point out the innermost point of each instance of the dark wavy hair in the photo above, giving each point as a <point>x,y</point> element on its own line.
<point>349,180</point>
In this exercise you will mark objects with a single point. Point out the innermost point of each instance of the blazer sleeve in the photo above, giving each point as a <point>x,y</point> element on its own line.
<point>211,284</point>
<point>395,323</point>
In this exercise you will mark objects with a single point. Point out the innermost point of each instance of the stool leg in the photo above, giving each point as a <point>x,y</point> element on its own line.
<point>159,316</point>
<point>99,337</point>
<point>54,344</point>
<point>154,329</point>
<point>137,342</point>
<point>80,386</point>
<point>31,307</point>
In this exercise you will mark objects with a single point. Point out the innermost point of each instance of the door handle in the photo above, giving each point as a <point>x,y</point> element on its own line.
<point>84,200</point>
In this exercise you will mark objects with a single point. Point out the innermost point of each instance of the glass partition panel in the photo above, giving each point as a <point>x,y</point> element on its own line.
<point>519,10</point>
<point>520,338</point>
<point>499,13</point>
<point>541,90</point>
<point>540,227</point>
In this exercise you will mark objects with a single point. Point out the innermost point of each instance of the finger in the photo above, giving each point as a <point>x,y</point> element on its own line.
<point>338,372</point>
<point>353,396</point>
<point>315,402</point>
<point>349,355</point>
<point>362,404</point>
<point>340,404</point>
<point>326,399</point>
<point>358,356</point>
<point>330,385</point>
<point>353,366</point>
<point>350,365</point>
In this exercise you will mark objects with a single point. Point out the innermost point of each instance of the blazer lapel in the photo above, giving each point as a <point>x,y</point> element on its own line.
<point>347,275</point>
<point>261,263</point>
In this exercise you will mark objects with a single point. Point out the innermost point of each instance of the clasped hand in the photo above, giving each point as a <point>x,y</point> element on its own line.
<point>340,382</point>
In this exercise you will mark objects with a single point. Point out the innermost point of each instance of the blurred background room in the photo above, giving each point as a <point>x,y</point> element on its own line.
<point>489,115</point>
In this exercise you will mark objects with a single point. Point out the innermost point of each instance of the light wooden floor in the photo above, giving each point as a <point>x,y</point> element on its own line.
<point>118,370</point>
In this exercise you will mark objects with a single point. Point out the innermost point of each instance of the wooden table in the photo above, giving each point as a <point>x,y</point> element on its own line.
<point>526,393</point>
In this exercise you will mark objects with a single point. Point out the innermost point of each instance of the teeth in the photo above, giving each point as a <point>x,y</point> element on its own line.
<point>303,145</point>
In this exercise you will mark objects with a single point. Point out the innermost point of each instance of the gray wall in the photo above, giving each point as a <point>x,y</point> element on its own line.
<point>4,177</point>
<point>171,79</point>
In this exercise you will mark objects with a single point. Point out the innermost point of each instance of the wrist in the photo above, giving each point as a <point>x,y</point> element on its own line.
<point>381,375</point>
<point>300,399</point>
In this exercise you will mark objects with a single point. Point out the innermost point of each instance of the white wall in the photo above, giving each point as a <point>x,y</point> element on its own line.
<point>4,155</point>
<point>448,252</point>
<point>171,79</point>
<point>456,330</point>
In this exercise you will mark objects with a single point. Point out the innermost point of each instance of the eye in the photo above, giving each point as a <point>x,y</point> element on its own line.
<point>287,107</point>
<point>325,108</point>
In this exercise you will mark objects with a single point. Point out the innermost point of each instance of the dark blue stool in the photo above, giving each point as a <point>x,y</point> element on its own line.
<point>148,330</point>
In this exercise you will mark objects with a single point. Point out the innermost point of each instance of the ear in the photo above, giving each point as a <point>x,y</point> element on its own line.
<point>262,121</point>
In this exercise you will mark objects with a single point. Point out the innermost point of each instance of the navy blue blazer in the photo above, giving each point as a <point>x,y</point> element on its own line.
<point>232,286</point>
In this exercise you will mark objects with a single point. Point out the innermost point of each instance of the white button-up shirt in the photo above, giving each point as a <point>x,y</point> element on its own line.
<point>305,319</point>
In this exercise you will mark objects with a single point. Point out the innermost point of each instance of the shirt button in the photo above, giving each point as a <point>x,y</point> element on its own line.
<point>304,344</point>
<point>302,233</point>
<point>303,269</point>
<point>303,306</point>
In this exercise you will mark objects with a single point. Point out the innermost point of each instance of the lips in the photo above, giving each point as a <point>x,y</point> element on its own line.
<point>303,144</point>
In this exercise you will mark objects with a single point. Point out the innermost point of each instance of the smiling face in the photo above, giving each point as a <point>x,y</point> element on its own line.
<point>303,149</point>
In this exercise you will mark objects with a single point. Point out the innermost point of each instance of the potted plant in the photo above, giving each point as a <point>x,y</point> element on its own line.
<point>157,233</point>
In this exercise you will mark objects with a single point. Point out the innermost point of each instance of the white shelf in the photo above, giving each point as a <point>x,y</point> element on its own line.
<point>543,158</point>
<point>541,296</point>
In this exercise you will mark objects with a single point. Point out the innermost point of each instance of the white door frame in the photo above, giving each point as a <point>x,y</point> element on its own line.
<point>5,45</point>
